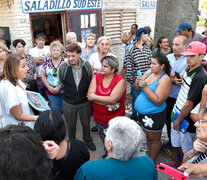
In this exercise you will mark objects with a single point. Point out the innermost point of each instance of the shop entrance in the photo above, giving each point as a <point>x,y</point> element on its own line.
<point>84,22</point>
<point>48,23</point>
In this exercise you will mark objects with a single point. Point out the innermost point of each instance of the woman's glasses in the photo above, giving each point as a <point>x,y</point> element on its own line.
<point>201,120</point>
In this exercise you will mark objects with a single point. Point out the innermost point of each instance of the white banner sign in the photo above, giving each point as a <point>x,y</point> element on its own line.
<point>35,6</point>
<point>148,4</point>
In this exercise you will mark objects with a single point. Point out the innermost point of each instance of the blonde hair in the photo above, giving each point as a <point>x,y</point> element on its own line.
<point>101,39</point>
<point>70,35</point>
<point>88,35</point>
<point>3,46</point>
<point>56,44</point>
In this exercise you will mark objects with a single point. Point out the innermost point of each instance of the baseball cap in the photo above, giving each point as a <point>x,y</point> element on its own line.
<point>139,33</point>
<point>182,26</point>
<point>194,48</point>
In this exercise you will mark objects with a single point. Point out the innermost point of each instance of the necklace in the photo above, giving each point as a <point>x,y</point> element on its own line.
<point>55,69</point>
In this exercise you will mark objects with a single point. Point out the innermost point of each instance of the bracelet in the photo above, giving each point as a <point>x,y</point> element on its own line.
<point>187,156</point>
<point>36,118</point>
<point>190,154</point>
<point>94,97</point>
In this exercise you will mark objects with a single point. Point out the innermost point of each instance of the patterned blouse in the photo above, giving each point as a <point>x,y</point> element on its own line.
<point>52,73</point>
<point>32,68</point>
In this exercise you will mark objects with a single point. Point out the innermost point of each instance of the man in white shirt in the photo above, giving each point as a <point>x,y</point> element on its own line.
<point>40,52</point>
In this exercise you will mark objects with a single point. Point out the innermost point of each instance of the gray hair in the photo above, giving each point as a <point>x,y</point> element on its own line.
<point>56,43</point>
<point>126,137</point>
<point>111,61</point>
<point>70,35</point>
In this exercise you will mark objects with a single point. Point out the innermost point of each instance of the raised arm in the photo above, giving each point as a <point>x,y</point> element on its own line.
<point>126,38</point>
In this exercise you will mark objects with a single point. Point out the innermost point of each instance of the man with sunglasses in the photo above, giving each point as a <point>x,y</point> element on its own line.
<point>189,96</point>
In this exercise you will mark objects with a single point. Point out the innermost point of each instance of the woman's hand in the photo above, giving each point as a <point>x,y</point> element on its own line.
<point>137,81</point>
<point>35,75</point>
<point>142,83</point>
<point>91,96</point>
<point>193,170</point>
<point>200,146</point>
<point>52,148</point>
<point>56,90</point>
<point>51,89</point>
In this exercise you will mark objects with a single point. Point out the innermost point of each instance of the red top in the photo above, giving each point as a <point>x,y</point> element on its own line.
<point>101,114</point>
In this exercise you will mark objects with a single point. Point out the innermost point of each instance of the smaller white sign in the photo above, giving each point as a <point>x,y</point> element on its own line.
<point>148,4</point>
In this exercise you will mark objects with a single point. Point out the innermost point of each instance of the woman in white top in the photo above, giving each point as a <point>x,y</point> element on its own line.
<point>103,48</point>
<point>13,98</point>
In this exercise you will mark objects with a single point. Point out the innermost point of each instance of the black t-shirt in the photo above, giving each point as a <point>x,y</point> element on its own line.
<point>198,82</point>
<point>77,155</point>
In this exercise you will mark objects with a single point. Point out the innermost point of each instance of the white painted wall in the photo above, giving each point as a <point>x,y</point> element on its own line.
<point>17,22</point>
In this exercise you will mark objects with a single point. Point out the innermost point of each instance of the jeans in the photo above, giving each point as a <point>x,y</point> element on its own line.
<point>100,128</point>
<point>56,102</point>
<point>134,93</point>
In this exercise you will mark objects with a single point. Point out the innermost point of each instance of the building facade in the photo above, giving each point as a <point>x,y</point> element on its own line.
<point>24,19</point>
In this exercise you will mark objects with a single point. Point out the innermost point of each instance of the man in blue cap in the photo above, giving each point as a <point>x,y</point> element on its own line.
<point>186,30</point>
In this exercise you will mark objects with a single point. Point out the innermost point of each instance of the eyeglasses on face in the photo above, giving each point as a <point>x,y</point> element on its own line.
<point>105,130</point>
<point>201,120</point>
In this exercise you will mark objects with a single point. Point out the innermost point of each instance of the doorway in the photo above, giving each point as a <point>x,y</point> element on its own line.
<point>49,24</point>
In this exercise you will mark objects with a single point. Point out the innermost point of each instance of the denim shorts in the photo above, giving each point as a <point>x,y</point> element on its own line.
<point>152,122</point>
<point>185,141</point>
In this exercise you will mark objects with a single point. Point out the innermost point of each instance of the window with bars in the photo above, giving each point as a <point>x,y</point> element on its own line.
<point>117,22</point>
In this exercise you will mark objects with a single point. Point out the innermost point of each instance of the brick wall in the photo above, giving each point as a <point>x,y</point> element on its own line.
<point>18,23</point>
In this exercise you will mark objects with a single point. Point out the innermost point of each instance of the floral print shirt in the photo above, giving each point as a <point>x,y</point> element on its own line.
<point>32,68</point>
<point>52,72</point>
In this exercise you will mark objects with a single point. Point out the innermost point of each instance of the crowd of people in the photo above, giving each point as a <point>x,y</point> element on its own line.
<point>168,86</point>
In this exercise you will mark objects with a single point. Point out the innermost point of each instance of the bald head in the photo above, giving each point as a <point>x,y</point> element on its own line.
<point>180,44</point>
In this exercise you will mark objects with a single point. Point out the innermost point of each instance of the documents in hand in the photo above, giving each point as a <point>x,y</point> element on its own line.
<point>37,101</point>
<point>183,125</point>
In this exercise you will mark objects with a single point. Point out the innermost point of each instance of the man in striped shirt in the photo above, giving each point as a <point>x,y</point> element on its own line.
<point>138,57</point>
<point>189,96</point>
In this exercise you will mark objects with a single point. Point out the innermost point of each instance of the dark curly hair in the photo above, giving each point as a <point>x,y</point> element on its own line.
<point>16,41</point>
<point>22,155</point>
<point>162,59</point>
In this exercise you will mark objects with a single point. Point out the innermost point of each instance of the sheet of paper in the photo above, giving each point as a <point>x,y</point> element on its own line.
<point>93,20</point>
<point>84,21</point>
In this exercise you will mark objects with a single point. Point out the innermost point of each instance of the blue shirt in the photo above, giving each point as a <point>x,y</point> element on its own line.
<point>86,56</point>
<point>143,105</point>
<point>179,66</point>
<point>113,169</point>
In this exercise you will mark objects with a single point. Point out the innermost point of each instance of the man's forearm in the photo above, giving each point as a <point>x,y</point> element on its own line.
<point>184,112</point>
